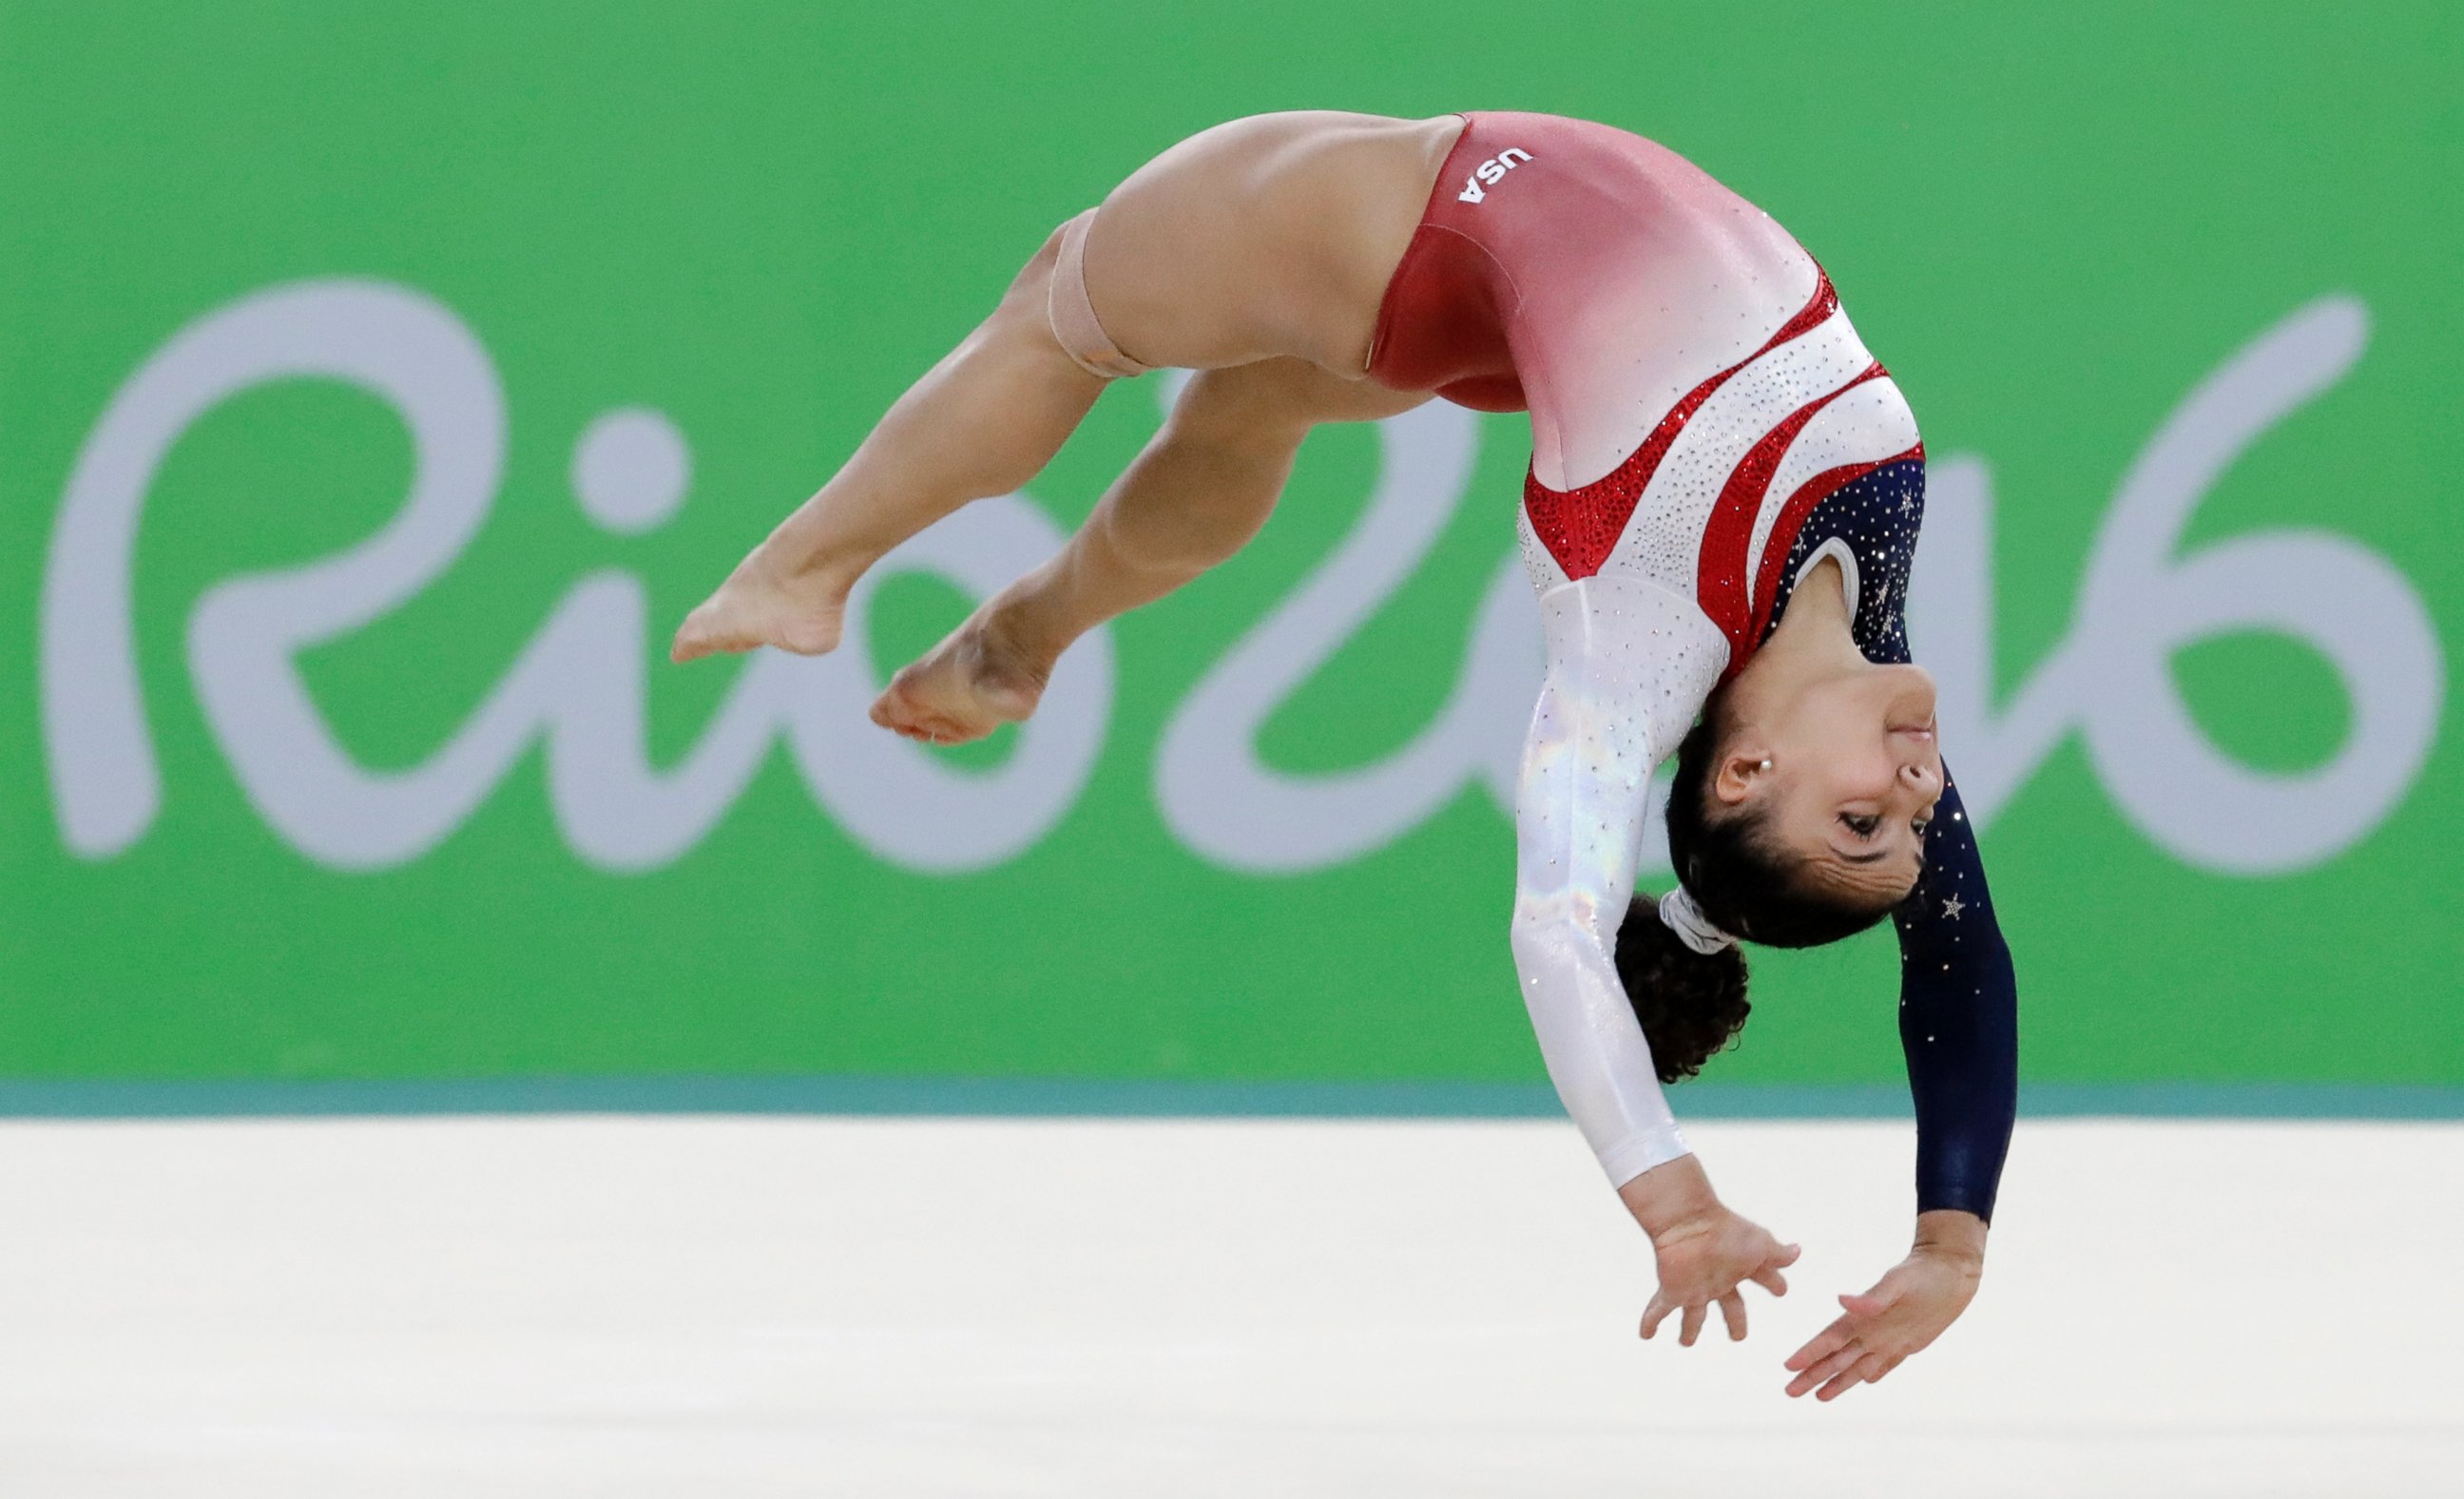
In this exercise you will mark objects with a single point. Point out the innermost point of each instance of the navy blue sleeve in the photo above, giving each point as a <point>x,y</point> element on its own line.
<point>1959,1004</point>
<point>1959,1020</point>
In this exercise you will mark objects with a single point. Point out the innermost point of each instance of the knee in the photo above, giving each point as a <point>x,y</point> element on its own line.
<point>1034,279</point>
<point>1020,329</point>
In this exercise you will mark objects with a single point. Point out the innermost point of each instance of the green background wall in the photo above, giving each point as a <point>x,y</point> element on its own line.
<point>763,220</point>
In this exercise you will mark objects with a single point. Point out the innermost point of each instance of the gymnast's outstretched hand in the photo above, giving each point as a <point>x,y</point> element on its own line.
<point>1705,1253</point>
<point>1907,1309</point>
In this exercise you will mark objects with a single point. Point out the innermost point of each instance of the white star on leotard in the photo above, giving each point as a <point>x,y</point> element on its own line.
<point>1908,505</point>
<point>1951,907</point>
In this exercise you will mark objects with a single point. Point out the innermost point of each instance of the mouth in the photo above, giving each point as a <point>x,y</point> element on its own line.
<point>1916,731</point>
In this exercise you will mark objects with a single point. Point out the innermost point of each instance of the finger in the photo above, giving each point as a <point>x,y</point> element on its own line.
<point>1655,1314</point>
<point>1888,1364</point>
<point>1830,1368</point>
<point>1788,1253</point>
<point>1769,1279</point>
<point>1868,1305</point>
<point>1822,1345</point>
<point>1692,1327</point>
<point>1732,1307</point>
<point>1864,1371</point>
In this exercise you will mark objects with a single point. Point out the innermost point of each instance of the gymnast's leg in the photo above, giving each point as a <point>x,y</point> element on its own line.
<point>1263,239</point>
<point>981,422</point>
<point>1195,495</point>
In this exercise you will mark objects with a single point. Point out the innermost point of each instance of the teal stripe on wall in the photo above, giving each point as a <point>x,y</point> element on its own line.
<point>1044,1098</point>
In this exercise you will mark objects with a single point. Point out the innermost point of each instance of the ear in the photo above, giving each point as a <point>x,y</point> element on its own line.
<point>1745,766</point>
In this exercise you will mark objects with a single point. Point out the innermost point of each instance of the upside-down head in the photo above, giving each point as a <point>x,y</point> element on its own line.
<point>1797,817</point>
<point>1800,819</point>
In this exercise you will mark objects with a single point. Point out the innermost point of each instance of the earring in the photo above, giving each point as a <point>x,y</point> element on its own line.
<point>1764,765</point>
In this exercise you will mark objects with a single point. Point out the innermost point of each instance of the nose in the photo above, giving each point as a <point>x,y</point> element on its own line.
<point>1921,775</point>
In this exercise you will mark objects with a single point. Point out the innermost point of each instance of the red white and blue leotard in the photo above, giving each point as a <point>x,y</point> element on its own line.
<point>1705,425</point>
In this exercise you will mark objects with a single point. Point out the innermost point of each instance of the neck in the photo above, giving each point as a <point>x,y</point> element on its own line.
<point>1815,632</point>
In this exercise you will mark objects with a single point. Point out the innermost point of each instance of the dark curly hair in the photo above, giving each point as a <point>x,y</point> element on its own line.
<point>1691,1006</point>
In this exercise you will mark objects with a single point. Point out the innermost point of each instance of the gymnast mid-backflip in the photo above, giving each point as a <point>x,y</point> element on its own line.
<point>1724,495</point>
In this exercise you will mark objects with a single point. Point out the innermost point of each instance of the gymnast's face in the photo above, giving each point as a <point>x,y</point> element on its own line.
<point>1853,773</point>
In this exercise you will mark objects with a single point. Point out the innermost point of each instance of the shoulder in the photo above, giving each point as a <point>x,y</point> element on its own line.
<point>1870,521</point>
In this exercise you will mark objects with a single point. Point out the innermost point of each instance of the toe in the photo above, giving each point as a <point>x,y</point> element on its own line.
<point>717,624</point>
<point>692,640</point>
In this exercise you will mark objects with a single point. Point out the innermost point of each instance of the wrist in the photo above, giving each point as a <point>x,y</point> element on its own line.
<point>1671,1198</point>
<point>1951,1233</point>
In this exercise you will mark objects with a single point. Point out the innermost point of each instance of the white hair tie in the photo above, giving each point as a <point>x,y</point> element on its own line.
<point>1679,914</point>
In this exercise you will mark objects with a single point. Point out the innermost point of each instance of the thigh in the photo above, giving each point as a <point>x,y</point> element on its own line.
<point>1267,237</point>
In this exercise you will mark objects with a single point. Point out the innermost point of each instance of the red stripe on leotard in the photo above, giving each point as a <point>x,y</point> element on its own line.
<point>1783,540</point>
<point>1720,584</point>
<point>1580,527</point>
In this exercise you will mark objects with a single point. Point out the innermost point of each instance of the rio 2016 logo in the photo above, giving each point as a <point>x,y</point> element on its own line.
<point>576,686</point>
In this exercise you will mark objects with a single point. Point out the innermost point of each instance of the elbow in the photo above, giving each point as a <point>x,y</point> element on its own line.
<point>1529,935</point>
<point>1546,944</point>
<point>1995,955</point>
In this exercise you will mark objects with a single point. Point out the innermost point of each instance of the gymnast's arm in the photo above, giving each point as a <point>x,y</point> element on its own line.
<point>1959,1026</point>
<point>1578,819</point>
<point>1196,494</point>
<point>1959,1023</point>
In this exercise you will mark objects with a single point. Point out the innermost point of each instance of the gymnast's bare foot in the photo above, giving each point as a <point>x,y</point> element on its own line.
<point>980,678</point>
<point>764,604</point>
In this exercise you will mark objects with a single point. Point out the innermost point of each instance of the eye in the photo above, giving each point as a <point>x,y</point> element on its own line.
<point>1921,824</point>
<point>1861,824</point>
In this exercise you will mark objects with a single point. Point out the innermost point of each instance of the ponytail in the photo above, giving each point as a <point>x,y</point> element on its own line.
<point>1691,1003</point>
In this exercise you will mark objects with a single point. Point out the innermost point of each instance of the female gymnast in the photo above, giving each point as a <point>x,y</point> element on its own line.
<point>1724,493</point>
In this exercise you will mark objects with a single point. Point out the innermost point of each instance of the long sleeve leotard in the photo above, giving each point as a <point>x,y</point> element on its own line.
<point>1704,420</point>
